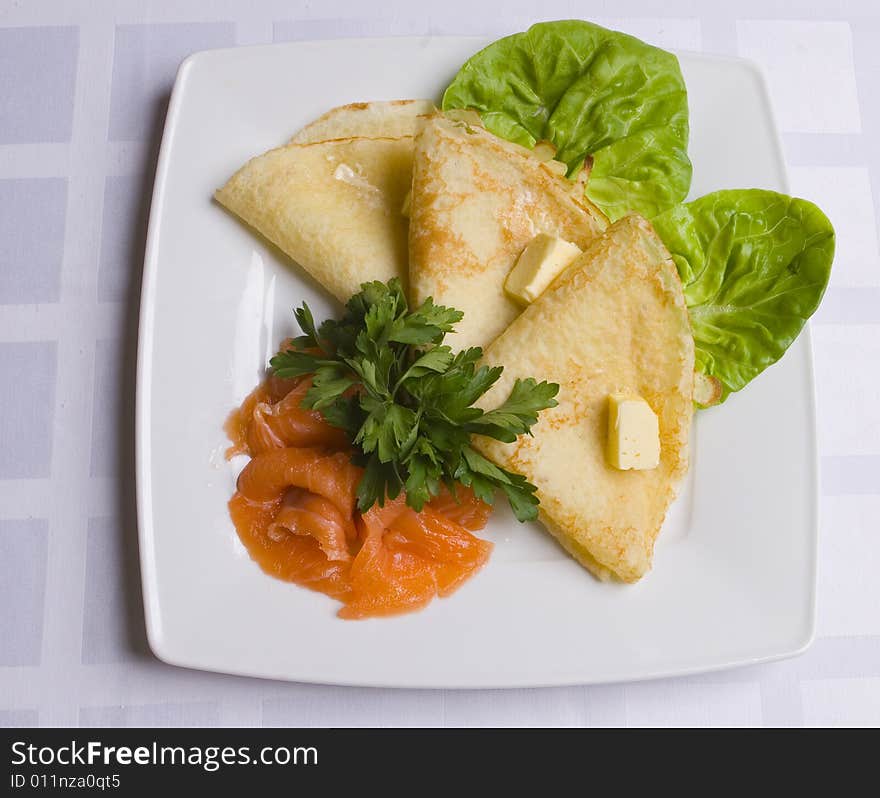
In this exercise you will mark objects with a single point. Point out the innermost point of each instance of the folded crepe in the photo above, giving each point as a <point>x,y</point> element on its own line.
<point>333,206</point>
<point>382,119</point>
<point>614,321</point>
<point>477,201</point>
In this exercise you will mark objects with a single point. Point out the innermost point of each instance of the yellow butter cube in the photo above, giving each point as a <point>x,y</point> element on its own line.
<point>633,433</point>
<point>539,264</point>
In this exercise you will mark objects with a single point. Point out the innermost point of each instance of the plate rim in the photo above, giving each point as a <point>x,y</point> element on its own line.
<point>143,418</point>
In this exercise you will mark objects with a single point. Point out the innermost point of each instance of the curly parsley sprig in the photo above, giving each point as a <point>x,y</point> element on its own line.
<point>383,374</point>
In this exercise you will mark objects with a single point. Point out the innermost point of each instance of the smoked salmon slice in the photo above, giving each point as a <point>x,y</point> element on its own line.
<point>304,513</point>
<point>295,511</point>
<point>408,558</point>
<point>462,507</point>
<point>272,417</point>
<point>293,558</point>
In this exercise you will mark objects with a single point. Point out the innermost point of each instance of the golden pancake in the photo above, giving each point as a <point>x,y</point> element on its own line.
<point>387,119</point>
<point>477,201</point>
<point>332,206</point>
<point>614,321</point>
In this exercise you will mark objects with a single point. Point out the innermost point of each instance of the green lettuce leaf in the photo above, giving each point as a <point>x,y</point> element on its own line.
<point>754,265</point>
<point>593,93</point>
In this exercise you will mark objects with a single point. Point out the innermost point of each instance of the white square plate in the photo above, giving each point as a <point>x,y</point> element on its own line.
<point>734,572</point>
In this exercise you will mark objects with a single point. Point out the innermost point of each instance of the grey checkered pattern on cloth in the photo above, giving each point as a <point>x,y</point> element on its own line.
<point>83,88</point>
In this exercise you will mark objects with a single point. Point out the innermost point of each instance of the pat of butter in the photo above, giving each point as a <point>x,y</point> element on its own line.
<point>538,265</point>
<point>354,178</point>
<point>633,433</point>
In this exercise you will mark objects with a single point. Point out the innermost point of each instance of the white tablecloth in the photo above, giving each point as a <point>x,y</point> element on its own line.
<point>83,86</point>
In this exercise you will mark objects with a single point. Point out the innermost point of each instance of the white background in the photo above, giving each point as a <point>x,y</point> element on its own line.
<point>83,86</point>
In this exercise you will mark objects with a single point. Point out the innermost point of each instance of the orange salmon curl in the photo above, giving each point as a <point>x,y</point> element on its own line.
<point>295,511</point>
